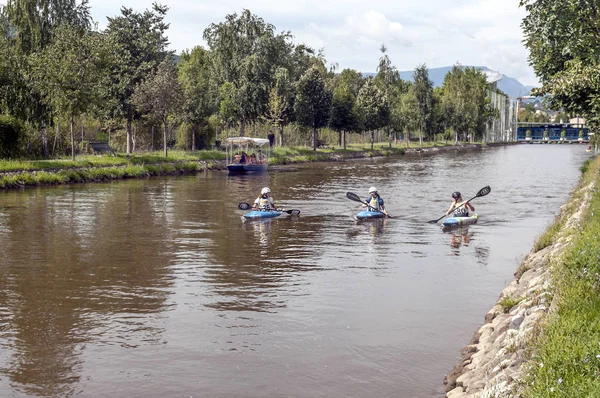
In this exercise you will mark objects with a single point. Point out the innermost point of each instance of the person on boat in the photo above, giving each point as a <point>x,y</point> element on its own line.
<point>237,158</point>
<point>462,211</point>
<point>244,158</point>
<point>261,157</point>
<point>253,159</point>
<point>375,201</point>
<point>264,201</point>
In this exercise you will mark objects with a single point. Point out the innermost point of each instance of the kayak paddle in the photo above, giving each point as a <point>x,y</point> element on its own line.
<point>246,206</point>
<point>356,198</point>
<point>482,192</point>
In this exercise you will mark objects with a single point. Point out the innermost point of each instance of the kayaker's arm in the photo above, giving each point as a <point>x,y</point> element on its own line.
<point>469,206</point>
<point>452,206</point>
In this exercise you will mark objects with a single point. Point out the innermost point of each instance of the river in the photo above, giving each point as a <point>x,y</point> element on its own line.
<point>158,288</point>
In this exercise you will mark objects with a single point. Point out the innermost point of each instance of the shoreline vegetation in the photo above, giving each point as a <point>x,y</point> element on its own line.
<point>16,174</point>
<point>541,339</point>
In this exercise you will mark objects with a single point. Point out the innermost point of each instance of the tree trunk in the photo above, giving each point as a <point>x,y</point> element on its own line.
<point>129,121</point>
<point>44,140</point>
<point>82,131</point>
<point>340,138</point>
<point>242,127</point>
<point>194,137</point>
<point>314,138</point>
<point>165,138</point>
<point>372,139</point>
<point>152,143</point>
<point>407,138</point>
<point>389,135</point>
<point>72,139</point>
<point>56,134</point>
<point>344,132</point>
<point>281,135</point>
<point>133,137</point>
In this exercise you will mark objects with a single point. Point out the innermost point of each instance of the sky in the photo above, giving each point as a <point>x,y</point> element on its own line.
<point>435,32</point>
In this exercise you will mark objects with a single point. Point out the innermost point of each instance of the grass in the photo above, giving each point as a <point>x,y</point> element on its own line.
<point>507,302</point>
<point>566,362</point>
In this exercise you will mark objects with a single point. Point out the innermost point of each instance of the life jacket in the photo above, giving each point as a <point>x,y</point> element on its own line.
<point>375,203</point>
<point>264,203</point>
<point>461,212</point>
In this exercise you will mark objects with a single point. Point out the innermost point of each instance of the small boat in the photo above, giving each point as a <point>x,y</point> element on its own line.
<point>239,151</point>
<point>367,215</point>
<point>458,221</point>
<point>262,214</point>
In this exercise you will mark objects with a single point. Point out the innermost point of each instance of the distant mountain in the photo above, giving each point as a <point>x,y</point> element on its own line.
<point>511,86</point>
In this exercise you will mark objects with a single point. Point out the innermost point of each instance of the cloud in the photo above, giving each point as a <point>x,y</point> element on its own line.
<point>435,32</point>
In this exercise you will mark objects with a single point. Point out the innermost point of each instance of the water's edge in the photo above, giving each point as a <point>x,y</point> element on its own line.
<point>491,365</point>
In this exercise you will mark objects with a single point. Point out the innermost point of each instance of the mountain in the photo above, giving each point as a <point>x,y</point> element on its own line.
<point>509,85</point>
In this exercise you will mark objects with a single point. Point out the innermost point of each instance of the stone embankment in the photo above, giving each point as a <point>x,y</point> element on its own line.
<point>492,365</point>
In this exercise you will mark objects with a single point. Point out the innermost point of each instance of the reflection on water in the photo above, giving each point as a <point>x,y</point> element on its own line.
<point>114,289</point>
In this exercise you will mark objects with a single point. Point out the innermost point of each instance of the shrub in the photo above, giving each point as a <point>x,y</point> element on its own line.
<point>11,131</point>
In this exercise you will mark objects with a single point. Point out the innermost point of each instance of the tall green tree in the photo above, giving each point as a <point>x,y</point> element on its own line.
<point>423,93</point>
<point>281,102</point>
<point>373,108</point>
<point>562,37</point>
<point>199,95</point>
<point>388,79</point>
<point>140,44</point>
<point>313,101</point>
<point>34,21</point>
<point>161,95</point>
<point>246,52</point>
<point>344,115</point>
<point>68,72</point>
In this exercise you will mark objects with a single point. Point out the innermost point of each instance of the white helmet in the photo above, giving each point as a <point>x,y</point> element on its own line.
<point>265,191</point>
<point>372,189</point>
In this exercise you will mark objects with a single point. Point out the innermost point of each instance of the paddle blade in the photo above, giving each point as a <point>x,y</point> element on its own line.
<point>484,191</point>
<point>244,206</point>
<point>354,197</point>
<point>293,212</point>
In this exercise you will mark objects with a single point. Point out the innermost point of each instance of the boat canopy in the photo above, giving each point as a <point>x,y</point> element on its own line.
<point>246,141</point>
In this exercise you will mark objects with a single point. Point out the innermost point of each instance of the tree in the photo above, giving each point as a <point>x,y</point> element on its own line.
<point>562,37</point>
<point>199,97</point>
<point>388,79</point>
<point>246,52</point>
<point>373,109</point>
<point>140,43</point>
<point>69,70</point>
<point>161,95</point>
<point>281,102</point>
<point>313,101</point>
<point>423,92</point>
<point>343,112</point>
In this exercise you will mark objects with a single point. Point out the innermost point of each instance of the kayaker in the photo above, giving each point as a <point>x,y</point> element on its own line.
<point>375,201</point>
<point>264,201</point>
<point>462,211</point>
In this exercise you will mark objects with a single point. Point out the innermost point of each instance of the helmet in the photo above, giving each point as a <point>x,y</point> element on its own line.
<point>372,189</point>
<point>265,191</point>
<point>456,195</point>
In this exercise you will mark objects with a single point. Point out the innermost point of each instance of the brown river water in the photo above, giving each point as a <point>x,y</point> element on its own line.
<point>158,288</point>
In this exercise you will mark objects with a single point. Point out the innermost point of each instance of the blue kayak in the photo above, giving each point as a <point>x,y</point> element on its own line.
<point>366,215</point>
<point>458,221</point>
<point>258,214</point>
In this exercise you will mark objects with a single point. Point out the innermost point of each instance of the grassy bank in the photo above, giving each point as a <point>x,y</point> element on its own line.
<point>88,168</point>
<point>566,359</point>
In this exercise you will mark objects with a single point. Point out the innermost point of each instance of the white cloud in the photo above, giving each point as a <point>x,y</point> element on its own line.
<point>435,32</point>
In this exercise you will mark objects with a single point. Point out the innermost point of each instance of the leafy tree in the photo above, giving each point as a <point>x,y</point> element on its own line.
<point>161,95</point>
<point>373,109</point>
<point>34,21</point>
<point>281,102</point>
<point>562,37</point>
<point>388,79</point>
<point>246,52</point>
<point>343,112</point>
<point>228,106</point>
<point>68,72</point>
<point>140,43</point>
<point>199,97</point>
<point>423,92</point>
<point>350,78</point>
<point>313,101</point>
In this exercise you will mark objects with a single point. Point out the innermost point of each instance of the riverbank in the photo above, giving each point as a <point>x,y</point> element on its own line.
<point>542,334</point>
<point>21,174</point>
